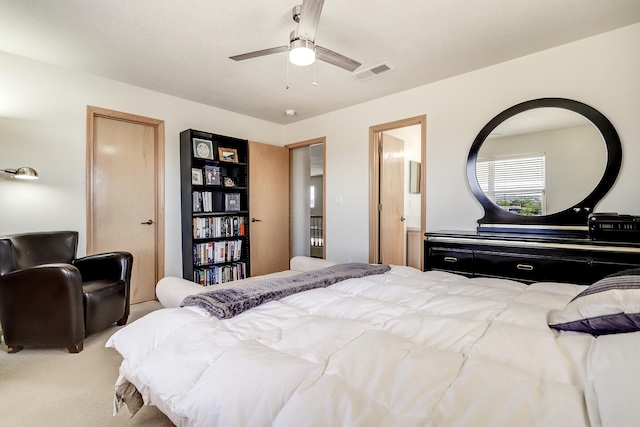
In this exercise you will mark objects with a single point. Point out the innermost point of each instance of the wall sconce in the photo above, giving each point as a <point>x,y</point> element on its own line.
<point>21,173</point>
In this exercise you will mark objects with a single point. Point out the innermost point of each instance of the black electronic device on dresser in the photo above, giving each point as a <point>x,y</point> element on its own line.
<point>612,226</point>
<point>527,233</point>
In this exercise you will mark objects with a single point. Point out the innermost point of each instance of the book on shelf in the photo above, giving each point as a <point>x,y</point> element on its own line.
<point>207,201</point>
<point>220,274</point>
<point>202,201</point>
<point>217,252</point>
<point>232,202</point>
<point>197,202</point>
<point>237,253</point>
<point>220,251</point>
<point>222,226</point>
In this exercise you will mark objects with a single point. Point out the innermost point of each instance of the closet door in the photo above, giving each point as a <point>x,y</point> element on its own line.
<point>125,193</point>
<point>269,208</point>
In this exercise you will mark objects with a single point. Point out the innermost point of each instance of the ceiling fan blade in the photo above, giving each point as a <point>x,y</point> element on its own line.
<point>257,53</point>
<point>336,59</point>
<point>309,18</point>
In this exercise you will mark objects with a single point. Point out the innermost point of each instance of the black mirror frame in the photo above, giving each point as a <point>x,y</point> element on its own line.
<point>576,215</point>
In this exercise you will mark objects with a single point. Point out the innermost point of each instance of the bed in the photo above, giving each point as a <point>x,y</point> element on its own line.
<point>402,348</point>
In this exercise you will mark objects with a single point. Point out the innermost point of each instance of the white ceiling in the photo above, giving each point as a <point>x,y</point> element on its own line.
<point>182,48</point>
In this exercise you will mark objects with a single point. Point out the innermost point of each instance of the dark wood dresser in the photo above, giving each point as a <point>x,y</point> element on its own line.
<point>527,257</point>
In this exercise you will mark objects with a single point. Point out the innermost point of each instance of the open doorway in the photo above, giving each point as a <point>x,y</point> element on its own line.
<point>316,201</point>
<point>397,184</point>
<point>307,189</point>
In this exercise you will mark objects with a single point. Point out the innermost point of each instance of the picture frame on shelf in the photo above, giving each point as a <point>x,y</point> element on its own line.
<point>212,175</point>
<point>229,155</point>
<point>232,202</point>
<point>196,176</point>
<point>202,149</point>
<point>229,181</point>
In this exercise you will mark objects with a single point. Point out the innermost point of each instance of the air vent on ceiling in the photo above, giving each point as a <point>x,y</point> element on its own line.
<point>371,72</point>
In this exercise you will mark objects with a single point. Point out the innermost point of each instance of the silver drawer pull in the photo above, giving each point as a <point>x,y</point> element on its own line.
<point>450,259</point>
<point>525,267</point>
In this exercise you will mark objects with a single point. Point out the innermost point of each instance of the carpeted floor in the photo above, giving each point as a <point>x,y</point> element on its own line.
<point>51,387</point>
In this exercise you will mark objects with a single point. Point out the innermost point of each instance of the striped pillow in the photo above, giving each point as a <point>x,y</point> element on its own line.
<point>609,306</point>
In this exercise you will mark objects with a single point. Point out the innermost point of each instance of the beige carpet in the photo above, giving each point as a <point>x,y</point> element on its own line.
<point>51,387</point>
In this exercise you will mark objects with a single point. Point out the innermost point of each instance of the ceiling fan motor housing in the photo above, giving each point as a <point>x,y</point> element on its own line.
<point>296,12</point>
<point>295,37</point>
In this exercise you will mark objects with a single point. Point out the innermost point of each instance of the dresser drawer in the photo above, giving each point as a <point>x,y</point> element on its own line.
<point>528,259</point>
<point>449,259</point>
<point>602,269</point>
<point>531,268</point>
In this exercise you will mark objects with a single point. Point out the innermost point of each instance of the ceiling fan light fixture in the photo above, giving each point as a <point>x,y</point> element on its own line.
<point>302,52</point>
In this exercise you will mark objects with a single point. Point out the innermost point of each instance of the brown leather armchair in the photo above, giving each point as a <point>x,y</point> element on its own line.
<point>48,297</point>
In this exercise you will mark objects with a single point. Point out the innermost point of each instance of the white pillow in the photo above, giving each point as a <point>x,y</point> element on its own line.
<point>611,305</point>
<point>304,263</point>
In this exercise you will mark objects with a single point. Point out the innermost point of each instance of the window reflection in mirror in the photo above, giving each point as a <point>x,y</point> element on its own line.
<point>541,161</point>
<point>515,183</point>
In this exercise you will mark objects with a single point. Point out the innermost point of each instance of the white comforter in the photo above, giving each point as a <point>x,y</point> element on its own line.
<point>406,348</point>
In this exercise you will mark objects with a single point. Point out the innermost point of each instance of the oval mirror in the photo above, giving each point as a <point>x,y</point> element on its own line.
<point>543,162</point>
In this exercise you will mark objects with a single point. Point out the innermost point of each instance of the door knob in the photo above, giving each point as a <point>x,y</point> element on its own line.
<point>147,222</point>
<point>255,220</point>
<point>403,218</point>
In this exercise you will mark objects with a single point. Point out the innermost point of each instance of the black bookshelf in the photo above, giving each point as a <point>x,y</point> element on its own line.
<point>214,177</point>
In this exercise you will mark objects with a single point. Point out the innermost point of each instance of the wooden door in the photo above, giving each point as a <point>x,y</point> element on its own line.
<point>414,243</point>
<point>125,194</point>
<point>391,200</point>
<point>268,208</point>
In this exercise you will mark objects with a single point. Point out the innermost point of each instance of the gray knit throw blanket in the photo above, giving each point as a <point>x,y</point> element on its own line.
<point>228,302</point>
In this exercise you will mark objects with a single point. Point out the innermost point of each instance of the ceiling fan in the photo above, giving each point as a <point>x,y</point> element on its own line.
<point>302,48</point>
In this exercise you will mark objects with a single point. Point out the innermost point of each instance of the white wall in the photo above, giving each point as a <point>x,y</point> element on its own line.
<point>600,71</point>
<point>43,125</point>
<point>43,119</point>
